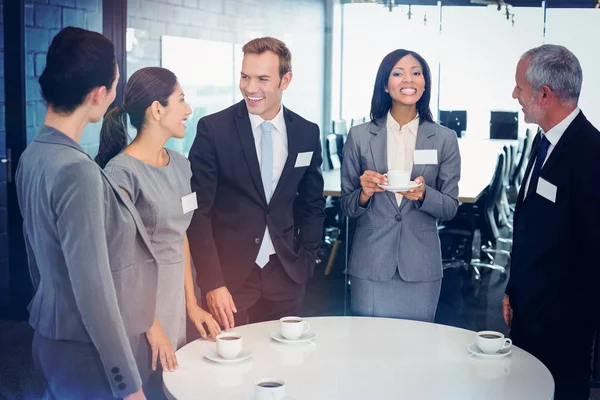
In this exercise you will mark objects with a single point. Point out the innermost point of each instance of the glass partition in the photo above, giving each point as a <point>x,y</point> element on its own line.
<point>577,29</point>
<point>371,32</point>
<point>201,42</point>
<point>480,49</point>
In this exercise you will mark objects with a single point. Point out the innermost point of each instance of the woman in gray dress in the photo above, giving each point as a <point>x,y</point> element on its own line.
<point>158,182</point>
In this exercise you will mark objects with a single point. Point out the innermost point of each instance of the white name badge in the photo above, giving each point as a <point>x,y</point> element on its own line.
<point>189,202</point>
<point>303,159</point>
<point>425,157</point>
<point>546,190</point>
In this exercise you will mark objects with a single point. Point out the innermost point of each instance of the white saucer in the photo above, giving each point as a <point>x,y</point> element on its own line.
<point>252,397</point>
<point>411,185</point>
<point>473,349</point>
<point>212,355</point>
<point>304,338</point>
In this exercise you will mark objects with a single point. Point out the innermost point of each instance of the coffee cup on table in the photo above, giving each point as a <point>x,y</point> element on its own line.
<point>229,345</point>
<point>269,389</point>
<point>293,327</point>
<point>491,342</point>
<point>397,178</point>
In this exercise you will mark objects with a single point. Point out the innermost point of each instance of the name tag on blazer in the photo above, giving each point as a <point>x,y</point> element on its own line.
<point>189,202</point>
<point>303,159</point>
<point>425,157</point>
<point>546,190</point>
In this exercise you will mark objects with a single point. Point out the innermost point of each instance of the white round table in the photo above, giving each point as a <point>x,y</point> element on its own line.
<point>362,358</point>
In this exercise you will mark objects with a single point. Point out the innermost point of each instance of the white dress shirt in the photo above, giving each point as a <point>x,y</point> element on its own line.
<point>553,136</point>
<point>280,154</point>
<point>401,143</point>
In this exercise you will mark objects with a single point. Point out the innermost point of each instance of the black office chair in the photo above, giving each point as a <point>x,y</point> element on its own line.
<point>475,228</point>
<point>332,153</point>
<point>332,232</point>
<point>357,121</point>
<point>527,153</point>
<point>502,205</point>
<point>520,156</point>
<point>516,177</point>
<point>339,127</point>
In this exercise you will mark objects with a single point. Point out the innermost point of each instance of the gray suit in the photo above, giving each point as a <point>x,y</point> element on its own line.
<point>92,267</point>
<point>392,241</point>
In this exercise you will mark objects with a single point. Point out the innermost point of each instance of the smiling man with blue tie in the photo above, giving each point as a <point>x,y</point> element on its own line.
<point>257,175</point>
<point>551,301</point>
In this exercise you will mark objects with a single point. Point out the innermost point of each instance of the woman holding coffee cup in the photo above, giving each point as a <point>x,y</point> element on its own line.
<point>396,265</point>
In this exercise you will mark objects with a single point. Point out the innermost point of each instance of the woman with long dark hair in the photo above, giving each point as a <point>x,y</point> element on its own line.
<point>158,182</point>
<point>396,265</point>
<point>90,260</point>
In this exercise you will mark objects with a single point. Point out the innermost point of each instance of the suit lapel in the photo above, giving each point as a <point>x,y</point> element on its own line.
<point>563,143</point>
<point>424,142</point>
<point>133,211</point>
<point>555,155</point>
<point>244,130</point>
<point>51,135</point>
<point>534,149</point>
<point>378,146</point>
<point>293,142</point>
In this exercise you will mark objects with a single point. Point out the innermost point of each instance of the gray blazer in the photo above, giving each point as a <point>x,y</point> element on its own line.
<point>389,237</point>
<point>92,267</point>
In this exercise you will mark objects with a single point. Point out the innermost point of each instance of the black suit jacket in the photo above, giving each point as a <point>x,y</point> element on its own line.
<point>228,227</point>
<point>555,269</point>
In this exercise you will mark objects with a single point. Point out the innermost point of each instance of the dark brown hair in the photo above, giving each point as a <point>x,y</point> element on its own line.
<point>77,62</point>
<point>260,45</point>
<point>145,86</point>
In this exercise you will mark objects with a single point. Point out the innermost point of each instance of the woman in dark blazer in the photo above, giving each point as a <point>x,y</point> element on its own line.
<point>396,264</point>
<point>94,273</point>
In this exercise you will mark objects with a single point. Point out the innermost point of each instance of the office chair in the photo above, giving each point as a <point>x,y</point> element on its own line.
<point>476,230</point>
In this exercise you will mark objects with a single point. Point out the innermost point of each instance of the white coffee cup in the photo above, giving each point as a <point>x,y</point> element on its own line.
<point>491,342</point>
<point>293,327</point>
<point>397,178</point>
<point>269,389</point>
<point>229,345</point>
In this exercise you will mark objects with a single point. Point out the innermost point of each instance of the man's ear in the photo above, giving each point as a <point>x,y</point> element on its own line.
<point>285,80</point>
<point>546,92</point>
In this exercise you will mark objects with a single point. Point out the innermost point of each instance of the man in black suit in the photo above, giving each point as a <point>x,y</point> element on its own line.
<point>257,174</point>
<point>552,297</point>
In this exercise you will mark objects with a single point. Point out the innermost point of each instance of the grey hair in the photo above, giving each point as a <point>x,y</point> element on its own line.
<point>556,67</point>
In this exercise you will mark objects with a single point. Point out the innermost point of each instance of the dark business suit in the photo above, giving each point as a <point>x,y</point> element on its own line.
<point>227,228</point>
<point>555,272</point>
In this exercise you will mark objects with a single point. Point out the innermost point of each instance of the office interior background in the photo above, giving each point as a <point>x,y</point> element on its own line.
<point>472,47</point>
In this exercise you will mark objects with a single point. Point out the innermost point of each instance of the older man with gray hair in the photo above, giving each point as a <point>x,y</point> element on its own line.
<point>551,301</point>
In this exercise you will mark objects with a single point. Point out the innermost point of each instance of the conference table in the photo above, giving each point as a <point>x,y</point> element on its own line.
<point>478,162</point>
<point>361,358</point>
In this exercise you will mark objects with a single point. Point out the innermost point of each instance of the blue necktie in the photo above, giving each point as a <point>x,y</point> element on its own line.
<point>266,172</point>
<point>266,159</point>
<point>539,162</point>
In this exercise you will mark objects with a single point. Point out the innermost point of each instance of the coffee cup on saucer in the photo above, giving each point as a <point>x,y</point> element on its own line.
<point>229,345</point>
<point>293,327</point>
<point>491,342</point>
<point>397,178</point>
<point>269,389</point>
